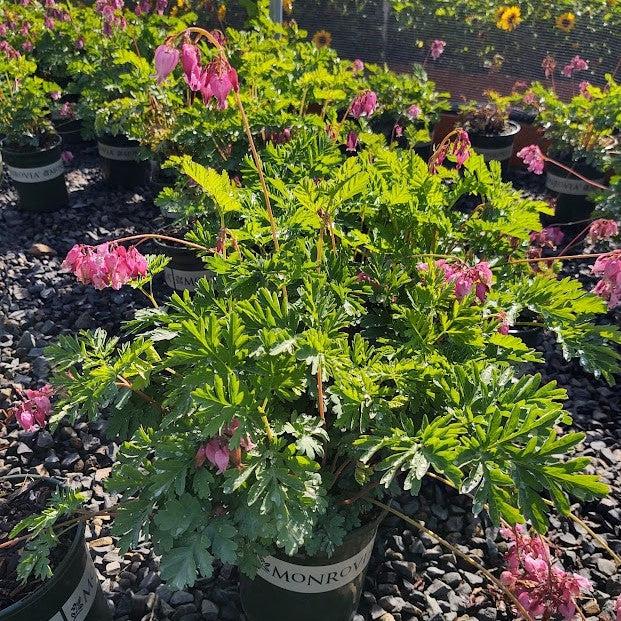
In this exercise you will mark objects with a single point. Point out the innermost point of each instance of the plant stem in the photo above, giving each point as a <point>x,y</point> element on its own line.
<point>144,236</point>
<point>266,423</point>
<point>259,164</point>
<point>575,174</point>
<point>421,528</point>
<point>320,403</point>
<point>125,383</point>
<point>575,256</point>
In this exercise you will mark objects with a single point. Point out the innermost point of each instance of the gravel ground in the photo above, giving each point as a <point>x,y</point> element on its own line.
<point>410,577</point>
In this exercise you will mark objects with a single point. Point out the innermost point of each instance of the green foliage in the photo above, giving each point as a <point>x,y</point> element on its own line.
<point>34,560</point>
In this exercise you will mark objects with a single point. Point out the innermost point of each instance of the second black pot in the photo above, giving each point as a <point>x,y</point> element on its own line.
<point>120,164</point>
<point>185,268</point>
<point>573,196</point>
<point>496,147</point>
<point>38,176</point>
<point>72,593</point>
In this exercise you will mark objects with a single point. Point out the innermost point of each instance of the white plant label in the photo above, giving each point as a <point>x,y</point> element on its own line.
<point>120,154</point>
<point>180,280</point>
<point>500,155</point>
<point>317,579</point>
<point>81,600</point>
<point>569,185</point>
<point>36,175</point>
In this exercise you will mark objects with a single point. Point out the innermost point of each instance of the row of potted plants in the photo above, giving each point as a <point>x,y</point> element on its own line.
<point>355,334</point>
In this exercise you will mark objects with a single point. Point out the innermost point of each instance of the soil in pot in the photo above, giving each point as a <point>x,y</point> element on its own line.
<point>573,196</point>
<point>496,147</point>
<point>120,162</point>
<point>185,268</point>
<point>38,174</point>
<point>311,588</point>
<point>73,592</point>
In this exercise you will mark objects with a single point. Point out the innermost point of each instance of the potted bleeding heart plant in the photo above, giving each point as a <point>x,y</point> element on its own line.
<point>352,340</point>
<point>581,133</point>
<point>31,148</point>
<point>65,583</point>
<point>491,132</point>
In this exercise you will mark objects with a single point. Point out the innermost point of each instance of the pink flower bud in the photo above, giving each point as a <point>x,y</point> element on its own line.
<point>364,104</point>
<point>533,158</point>
<point>166,59</point>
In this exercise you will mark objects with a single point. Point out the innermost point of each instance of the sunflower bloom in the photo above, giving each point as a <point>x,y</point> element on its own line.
<point>322,38</point>
<point>508,18</point>
<point>566,22</point>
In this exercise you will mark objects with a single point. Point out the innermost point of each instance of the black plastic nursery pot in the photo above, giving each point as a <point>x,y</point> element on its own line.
<point>73,593</point>
<point>498,147</point>
<point>70,130</point>
<point>185,268</point>
<point>310,588</point>
<point>573,196</point>
<point>120,162</point>
<point>38,176</point>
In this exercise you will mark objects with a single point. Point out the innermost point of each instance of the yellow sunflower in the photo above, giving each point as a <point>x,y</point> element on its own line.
<point>287,6</point>
<point>322,38</point>
<point>508,17</point>
<point>566,22</point>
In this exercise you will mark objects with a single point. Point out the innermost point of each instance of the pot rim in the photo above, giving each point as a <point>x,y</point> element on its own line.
<point>7,150</point>
<point>49,584</point>
<point>515,127</point>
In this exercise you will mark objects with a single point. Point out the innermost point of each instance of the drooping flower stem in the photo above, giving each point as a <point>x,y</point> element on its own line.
<point>320,403</point>
<point>592,183</point>
<point>244,117</point>
<point>423,529</point>
<point>176,240</point>
<point>122,382</point>
<point>567,258</point>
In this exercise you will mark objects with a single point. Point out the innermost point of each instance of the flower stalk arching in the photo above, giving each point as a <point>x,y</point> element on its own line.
<point>201,32</point>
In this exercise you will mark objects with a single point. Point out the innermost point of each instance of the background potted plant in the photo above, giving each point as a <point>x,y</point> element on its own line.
<point>491,132</point>
<point>581,132</point>
<point>410,106</point>
<point>31,148</point>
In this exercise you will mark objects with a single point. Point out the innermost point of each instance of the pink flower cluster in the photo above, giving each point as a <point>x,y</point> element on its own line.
<point>34,409</point>
<point>540,584</point>
<point>533,158</point>
<point>549,66</point>
<point>437,48</point>
<point>215,80</point>
<point>575,64</point>
<point>8,50</point>
<point>144,7</point>
<point>218,453</point>
<point>504,325</point>
<point>112,17</point>
<point>608,267</point>
<point>465,278</point>
<point>106,265</point>
<point>278,136</point>
<point>414,112</point>
<point>357,66</point>
<point>550,237</point>
<point>602,229</point>
<point>364,104</point>
<point>459,148</point>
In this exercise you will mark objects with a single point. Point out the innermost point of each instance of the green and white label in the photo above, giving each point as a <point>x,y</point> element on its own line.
<point>180,280</point>
<point>120,154</point>
<point>314,579</point>
<point>38,174</point>
<point>569,185</point>
<point>80,602</point>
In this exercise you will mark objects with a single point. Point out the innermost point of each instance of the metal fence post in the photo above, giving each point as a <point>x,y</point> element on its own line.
<point>276,10</point>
